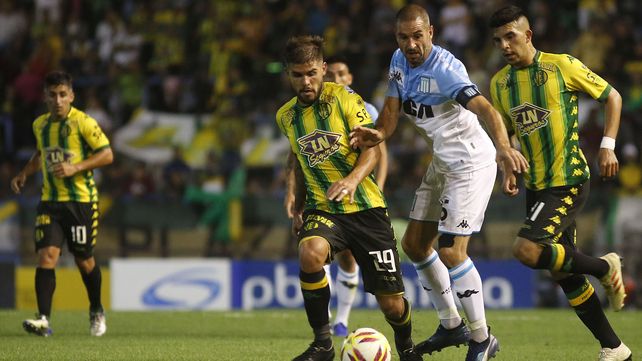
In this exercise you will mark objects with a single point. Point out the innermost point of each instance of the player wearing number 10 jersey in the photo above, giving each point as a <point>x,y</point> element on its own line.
<point>70,144</point>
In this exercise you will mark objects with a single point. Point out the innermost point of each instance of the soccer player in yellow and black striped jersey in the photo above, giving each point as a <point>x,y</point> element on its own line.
<point>70,144</point>
<point>536,93</point>
<point>338,205</point>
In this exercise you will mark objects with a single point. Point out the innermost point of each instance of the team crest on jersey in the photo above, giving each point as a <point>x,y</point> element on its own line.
<point>529,117</point>
<point>396,74</point>
<point>540,77</point>
<point>427,85</point>
<point>65,130</point>
<point>324,110</point>
<point>319,145</point>
<point>56,155</point>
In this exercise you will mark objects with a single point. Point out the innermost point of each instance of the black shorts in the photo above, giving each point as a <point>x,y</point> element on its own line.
<point>551,214</point>
<point>369,235</point>
<point>72,222</point>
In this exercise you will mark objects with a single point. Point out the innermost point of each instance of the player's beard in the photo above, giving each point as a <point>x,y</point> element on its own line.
<point>308,98</point>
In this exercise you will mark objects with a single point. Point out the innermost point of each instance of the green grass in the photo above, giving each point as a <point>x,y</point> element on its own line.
<point>281,334</point>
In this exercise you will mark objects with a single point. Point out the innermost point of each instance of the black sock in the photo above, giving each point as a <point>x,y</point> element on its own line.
<point>316,296</point>
<point>93,281</point>
<point>402,328</point>
<point>562,258</point>
<point>45,286</point>
<point>582,297</point>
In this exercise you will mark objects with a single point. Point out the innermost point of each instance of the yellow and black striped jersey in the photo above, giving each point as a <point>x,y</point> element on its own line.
<point>319,136</point>
<point>71,140</point>
<point>539,105</point>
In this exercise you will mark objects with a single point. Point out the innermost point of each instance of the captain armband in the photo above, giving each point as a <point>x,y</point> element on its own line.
<point>466,94</point>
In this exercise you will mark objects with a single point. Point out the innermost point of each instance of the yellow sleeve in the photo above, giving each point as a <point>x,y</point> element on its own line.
<point>578,77</point>
<point>279,120</point>
<point>497,104</point>
<point>93,135</point>
<point>354,109</point>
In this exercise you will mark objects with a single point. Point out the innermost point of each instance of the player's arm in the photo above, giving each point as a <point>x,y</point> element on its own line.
<point>382,166</point>
<point>299,194</point>
<point>607,160</point>
<point>511,158</point>
<point>32,166</point>
<point>347,186</point>
<point>101,158</point>
<point>290,184</point>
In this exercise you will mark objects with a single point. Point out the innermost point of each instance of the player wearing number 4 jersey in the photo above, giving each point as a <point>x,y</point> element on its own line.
<point>536,93</point>
<point>433,89</point>
<point>70,144</point>
<point>337,203</point>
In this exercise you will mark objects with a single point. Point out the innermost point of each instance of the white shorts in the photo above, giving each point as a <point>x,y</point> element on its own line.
<point>456,200</point>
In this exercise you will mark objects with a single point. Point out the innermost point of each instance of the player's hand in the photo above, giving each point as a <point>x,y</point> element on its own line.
<point>338,190</point>
<point>288,204</point>
<point>509,184</point>
<point>365,137</point>
<point>297,222</point>
<point>511,160</point>
<point>18,182</point>
<point>62,170</point>
<point>607,160</point>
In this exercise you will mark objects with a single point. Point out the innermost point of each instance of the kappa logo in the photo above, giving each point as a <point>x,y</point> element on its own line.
<point>463,224</point>
<point>319,145</point>
<point>529,117</point>
<point>397,75</point>
<point>467,293</point>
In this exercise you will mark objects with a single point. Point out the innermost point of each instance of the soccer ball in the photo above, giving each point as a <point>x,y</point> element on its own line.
<point>366,344</point>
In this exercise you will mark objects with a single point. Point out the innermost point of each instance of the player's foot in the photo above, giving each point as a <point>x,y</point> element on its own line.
<point>620,353</point>
<point>339,329</point>
<point>612,281</point>
<point>443,338</point>
<point>97,324</point>
<point>38,326</point>
<point>316,352</point>
<point>482,351</point>
<point>410,355</point>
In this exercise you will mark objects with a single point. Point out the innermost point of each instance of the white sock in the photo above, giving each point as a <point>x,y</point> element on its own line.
<point>433,275</point>
<point>467,286</point>
<point>346,289</point>
<point>328,275</point>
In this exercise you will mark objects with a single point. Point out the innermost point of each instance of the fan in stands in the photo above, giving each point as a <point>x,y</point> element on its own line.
<point>366,344</point>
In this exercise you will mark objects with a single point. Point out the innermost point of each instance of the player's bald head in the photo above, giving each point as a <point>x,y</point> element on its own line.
<point>509,14</point>
<point>411,12</point>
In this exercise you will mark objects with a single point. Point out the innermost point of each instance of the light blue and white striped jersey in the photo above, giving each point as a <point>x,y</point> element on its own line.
<point>427,94</point>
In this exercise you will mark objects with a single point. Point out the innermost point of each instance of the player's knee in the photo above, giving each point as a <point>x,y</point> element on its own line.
<point>525,251</point>
<point>313,255</point>
<point>391,306</point>
<point>48,257</point>
<point>450,253</point>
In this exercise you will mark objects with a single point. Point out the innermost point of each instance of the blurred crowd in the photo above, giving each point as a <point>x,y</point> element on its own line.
<point>223,58</point>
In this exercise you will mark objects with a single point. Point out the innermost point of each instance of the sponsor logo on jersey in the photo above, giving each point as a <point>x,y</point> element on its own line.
<point>319,145</point>
<point>56,155</point>
<point>421,111</point>
<point>529,117</point>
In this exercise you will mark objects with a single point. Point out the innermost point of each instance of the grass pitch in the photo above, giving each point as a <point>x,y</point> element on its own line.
<point>282,334</point>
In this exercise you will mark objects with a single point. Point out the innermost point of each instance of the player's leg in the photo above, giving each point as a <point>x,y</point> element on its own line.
<point>81,226</point>
<point>465,197</point>
<point>550,213</point>
<point>375,249</point>
<point>318,231</point>
<point>581,296</point>
<point>418,241</point>
<point>48,240</point>
<point>346,290</point>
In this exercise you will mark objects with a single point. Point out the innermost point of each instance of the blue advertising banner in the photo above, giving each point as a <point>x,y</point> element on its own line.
<point>267,284</point>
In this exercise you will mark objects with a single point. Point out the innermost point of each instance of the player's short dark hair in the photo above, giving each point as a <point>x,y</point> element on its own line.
<point>505,15</point>
<point>411,12</point>
<point>336,59</point>
<point>57,77</point>
<point>303,49</point>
